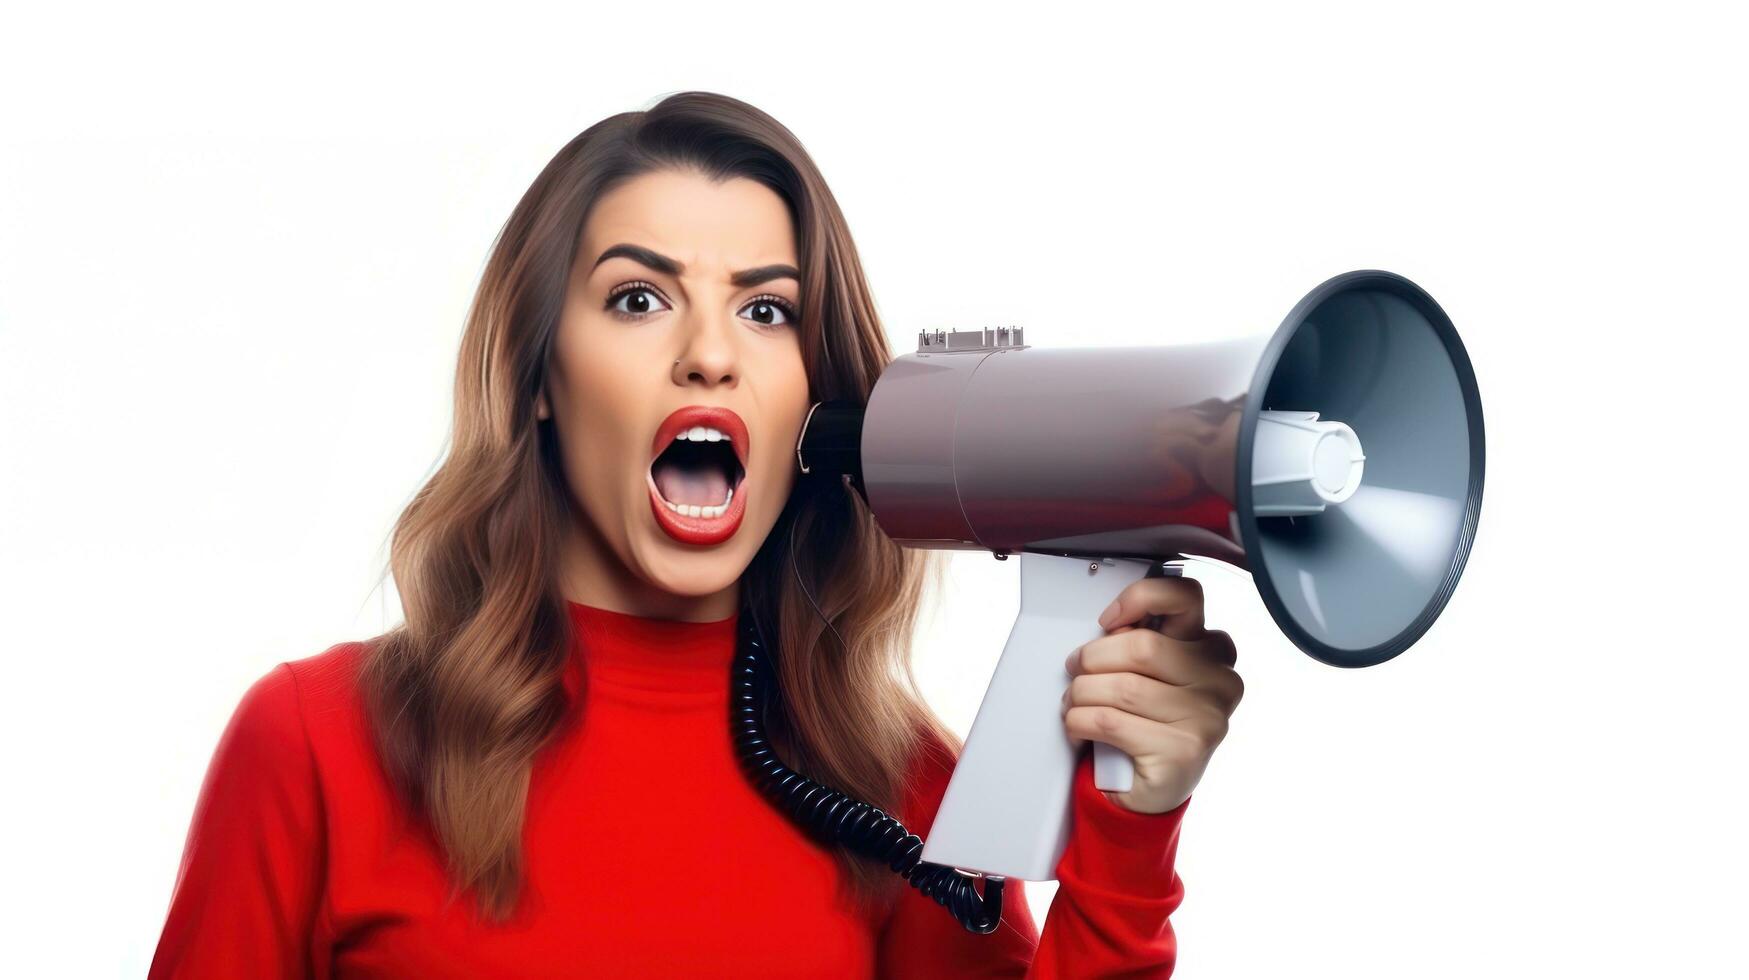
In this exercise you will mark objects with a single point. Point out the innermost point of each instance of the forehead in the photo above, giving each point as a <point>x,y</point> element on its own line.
<point>735,224</point>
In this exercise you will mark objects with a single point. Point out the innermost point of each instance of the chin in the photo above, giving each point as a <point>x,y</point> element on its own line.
<point>688,571</point>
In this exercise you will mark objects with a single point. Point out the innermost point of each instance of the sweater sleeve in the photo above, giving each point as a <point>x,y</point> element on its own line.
<point>247,892</point>
<point>1116,888</point>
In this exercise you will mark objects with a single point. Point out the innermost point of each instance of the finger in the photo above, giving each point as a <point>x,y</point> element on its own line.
<point>1132,734</point>
<point>1217,646</point>
<point>1177,599</point>
<point>1156,655</point>
<point>1139,694</point>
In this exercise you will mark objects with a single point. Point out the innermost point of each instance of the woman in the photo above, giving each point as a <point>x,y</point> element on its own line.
<point>534,774</point>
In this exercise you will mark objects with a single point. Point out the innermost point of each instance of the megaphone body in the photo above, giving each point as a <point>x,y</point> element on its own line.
<point>1337,459</point>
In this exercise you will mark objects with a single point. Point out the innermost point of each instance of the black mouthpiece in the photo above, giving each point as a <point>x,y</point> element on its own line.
<point>830,448</point>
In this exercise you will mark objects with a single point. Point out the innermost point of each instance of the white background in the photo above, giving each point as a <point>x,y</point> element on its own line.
<point>236,249</point>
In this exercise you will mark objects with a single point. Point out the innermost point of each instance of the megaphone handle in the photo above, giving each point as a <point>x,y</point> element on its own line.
<point>1113,771</point>
<point>1007,808</point>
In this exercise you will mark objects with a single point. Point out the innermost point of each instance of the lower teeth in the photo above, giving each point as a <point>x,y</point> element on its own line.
<point>699,510</point>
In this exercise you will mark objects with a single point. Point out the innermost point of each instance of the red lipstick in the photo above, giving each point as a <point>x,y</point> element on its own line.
<point>701,530</point>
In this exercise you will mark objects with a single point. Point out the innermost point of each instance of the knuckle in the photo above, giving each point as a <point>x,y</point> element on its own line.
<point>1132,690</point>
<point>1106,720</point>
<point>1144,646</point>
<point>1220,644</point>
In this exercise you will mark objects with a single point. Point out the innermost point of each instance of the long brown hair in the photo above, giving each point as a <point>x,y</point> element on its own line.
<point>467,689</point>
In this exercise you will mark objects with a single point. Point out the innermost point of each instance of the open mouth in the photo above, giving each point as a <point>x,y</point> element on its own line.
<point>697,477</point>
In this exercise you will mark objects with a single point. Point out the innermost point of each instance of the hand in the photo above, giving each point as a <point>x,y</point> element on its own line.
<point>1157,686</point>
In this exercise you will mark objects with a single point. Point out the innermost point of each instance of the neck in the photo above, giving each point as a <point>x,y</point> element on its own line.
<point>592,574</point>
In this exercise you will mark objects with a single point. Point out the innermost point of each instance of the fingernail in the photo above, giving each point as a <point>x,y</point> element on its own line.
<point>1109,612</point>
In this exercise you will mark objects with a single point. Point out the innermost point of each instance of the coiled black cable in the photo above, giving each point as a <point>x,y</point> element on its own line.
<point>828,815</point>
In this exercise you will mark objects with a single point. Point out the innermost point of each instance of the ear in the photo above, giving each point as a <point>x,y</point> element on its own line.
<point>541,412</point>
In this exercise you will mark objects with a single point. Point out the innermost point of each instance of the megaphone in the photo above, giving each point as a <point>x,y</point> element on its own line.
<point>1337,459</point>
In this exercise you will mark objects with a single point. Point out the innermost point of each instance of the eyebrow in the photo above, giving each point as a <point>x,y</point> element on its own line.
<point>667,266</point>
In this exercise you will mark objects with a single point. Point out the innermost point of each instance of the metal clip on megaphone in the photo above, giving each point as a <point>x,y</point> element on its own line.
<point>1338,459</point>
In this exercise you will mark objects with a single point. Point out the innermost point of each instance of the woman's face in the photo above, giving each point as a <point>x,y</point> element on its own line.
<point>681,318</point>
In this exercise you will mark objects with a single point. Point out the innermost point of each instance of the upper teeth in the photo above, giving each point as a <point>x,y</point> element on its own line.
<point>703,433</point>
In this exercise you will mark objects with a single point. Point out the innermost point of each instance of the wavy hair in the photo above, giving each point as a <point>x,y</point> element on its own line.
<point>466,690</point>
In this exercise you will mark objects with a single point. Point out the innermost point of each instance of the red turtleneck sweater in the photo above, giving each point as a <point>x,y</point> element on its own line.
<point>647,852</point>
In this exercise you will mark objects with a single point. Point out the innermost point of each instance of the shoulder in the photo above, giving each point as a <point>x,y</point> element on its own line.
<point>273,723</point>
<point>327,682</point>
<point>268,720</point>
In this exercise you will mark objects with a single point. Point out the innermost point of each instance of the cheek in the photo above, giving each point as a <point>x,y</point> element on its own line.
<point>787,409</point>
<point>789,374</point>
<point>604,415</point>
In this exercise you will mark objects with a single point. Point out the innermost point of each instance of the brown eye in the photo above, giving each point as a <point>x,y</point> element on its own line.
<point>636,301</point>
<point>770,311</point>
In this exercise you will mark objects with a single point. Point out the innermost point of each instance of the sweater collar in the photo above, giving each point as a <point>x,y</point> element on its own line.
<point>649,654</point>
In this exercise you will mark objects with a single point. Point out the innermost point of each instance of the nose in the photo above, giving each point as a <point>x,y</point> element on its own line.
<point>711,355</point>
